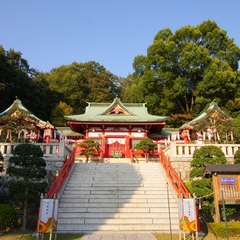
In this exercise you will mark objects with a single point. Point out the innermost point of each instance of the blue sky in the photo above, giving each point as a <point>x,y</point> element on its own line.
<point>51,33</point>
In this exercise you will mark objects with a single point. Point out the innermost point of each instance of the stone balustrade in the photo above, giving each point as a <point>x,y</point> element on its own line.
<point>181,155</point>
<point>54,154</point>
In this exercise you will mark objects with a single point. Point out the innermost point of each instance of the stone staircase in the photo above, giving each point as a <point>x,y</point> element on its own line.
<point>117,197</point>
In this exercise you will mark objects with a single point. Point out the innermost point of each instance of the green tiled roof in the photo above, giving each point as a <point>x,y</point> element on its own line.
<point>67,131</point>
<point>134,112</point>
<point>206,113</point>
<point>17,105</point>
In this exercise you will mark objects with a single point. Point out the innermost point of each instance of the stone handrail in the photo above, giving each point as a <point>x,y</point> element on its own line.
<point>53,153</point>
<point>178,151</point>
<point>49,149</point>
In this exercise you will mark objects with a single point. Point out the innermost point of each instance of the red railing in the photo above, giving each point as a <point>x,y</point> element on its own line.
<point>61,177</point>
<point>173,176</point>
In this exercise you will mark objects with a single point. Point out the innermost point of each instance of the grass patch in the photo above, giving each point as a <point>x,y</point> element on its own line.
<point>16,235</point>
<point>176,237</point>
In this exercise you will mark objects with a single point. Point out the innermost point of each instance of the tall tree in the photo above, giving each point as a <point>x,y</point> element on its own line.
<point>81,82</point>
<point>19,79</point>
<point>27,167</point>
<point>187,69</point>
<point>1,163</point>
<point>58,114</point>
<point>126,86</point>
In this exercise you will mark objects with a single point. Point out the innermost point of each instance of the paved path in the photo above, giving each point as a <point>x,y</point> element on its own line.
<point>119,236</point>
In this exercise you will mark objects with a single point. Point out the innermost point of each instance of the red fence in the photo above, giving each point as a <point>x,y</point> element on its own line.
<point>61,177</point>
<point>173,176</point>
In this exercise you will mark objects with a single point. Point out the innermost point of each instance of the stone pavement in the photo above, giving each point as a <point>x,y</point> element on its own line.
<point>119,236</point>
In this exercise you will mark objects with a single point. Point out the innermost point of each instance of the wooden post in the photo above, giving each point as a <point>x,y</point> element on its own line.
<point>216,196</point>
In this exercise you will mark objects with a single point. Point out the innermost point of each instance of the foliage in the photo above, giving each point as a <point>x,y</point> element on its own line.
<point>27,168</point>
<point>229,131</point>
<point>58,114</point>
<point>146,144</point>
<point>219,229</point>
<point>19,79</point>
<point>88,148</point>
<point>237,157</point>
<point>126,86</point>
<point>3,195</point>
<point>17,125</point>
<point>81,82</point>
<point>7,217</point>
<point>1,162</point>
<point>206,155</point>
<point>185,70</point>
<point>202,184</point>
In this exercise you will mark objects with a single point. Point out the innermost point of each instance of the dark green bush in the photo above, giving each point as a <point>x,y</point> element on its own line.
<point>237,157</point>
<point>7,217</point>
<point>219,229</point>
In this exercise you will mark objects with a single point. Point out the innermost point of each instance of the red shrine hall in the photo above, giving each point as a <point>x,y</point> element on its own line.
<point>117,126</point>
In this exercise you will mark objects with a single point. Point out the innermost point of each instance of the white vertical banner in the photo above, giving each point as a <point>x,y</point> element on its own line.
<point>187,214</point>
<point>48,215</point>
<point>180,212</point>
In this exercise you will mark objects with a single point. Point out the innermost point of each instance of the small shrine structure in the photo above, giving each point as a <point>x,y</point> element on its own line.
<point>204,126</point>
<point>45,130</point>
<point>117,126</point>
<point>226,184</point>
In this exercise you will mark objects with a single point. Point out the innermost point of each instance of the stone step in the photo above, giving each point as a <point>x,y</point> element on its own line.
<point>85,228</point>
<point>113,210</point>
<point>99,184</point>
<point>121,188</point>
<point>126,197</point>
<point>117,197</point>
<point>115,205</point>
<point>116,192</point>
<point>113,221</point>
<point>123,214</point>
<point>110,200</point>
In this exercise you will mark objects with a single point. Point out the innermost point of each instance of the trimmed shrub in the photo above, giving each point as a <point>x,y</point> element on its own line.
<point>7,217</point>
<point>237,157</point>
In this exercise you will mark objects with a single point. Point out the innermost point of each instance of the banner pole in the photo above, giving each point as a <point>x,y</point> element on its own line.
<point>38,221</point>
<point>169,213</point>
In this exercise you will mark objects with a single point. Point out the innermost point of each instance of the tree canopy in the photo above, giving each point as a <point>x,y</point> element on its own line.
<point>147,145</point>
<point>185,70</point>
<point>181,73</point>
<point>88,148</point>
<point>83,82</point>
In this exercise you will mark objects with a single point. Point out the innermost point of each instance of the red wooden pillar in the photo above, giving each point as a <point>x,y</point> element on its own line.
<point>127,147</point>
<point>103,145</point>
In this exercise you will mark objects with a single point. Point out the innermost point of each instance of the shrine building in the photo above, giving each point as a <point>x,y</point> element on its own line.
<point>117,126</point>
<point>208,120</point>
<point>45,130</point>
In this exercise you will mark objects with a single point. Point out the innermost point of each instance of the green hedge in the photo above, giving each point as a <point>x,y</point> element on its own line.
<point>7,217</point>
<point>219,229</point>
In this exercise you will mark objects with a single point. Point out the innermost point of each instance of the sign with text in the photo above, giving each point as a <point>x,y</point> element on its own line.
<point>187,214</point>
<point>48,215</point>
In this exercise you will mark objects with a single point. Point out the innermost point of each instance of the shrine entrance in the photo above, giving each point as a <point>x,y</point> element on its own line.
<point>115,148</point>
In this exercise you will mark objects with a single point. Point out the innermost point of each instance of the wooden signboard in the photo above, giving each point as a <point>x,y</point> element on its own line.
<point>226,184</point>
